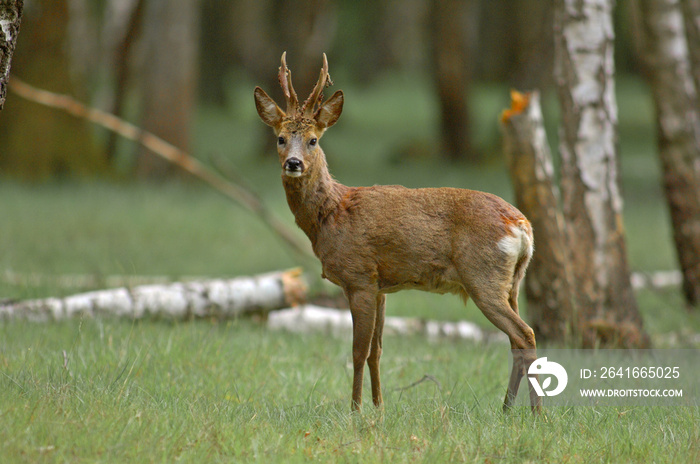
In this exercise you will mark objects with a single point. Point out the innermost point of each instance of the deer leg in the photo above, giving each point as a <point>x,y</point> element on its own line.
<point>521,362</point>
<point>363,307</point>
<point>522,342</point>
<point>376,352</point>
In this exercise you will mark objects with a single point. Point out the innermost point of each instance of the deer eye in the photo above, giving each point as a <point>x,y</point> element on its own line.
<point>313,142</point>
<point>281,141</point>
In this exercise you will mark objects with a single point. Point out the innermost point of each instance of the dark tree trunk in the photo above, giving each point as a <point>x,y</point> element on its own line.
<point>550,305</point>
<point>169,78</point>
<point>263,29</point>
<point>37,143</point>
<point>667,57</point>
<point>122,55</point>
<point>449,69</point>
<point>592,203</point>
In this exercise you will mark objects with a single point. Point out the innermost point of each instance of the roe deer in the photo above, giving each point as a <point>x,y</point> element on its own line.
<point>377,240</point>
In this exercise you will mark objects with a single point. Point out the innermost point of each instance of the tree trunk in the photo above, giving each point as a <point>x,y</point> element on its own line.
<point>691,14</point>
<point>678,129</point>
<point>451,77</point>
<point>550,307</point>
<point>37,144</point>
<point>10,17</point>
<point>120,51</point>
<point>207,298</point>
<point>592,203</point>
<point>169,78</point>
<point>532,43</point>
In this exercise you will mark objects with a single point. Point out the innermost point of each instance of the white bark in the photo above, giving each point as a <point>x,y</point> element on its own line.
<point>207,298</point>
<point>652,280</point>
<point>592,203</point>
<point>337,322</point>
<point>10,17</point>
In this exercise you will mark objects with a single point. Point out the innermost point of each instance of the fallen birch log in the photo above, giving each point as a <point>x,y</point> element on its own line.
<point>336,322</point>
<point>219,298</point>
<point>652,280</point>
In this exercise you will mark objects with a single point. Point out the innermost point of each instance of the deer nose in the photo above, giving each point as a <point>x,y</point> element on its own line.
<point>293,165</point>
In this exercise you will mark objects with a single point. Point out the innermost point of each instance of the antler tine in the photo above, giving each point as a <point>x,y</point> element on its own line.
<point>285,78</point>
<point>316,96</point>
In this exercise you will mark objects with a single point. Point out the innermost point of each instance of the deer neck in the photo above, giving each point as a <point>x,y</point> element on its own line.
<point>313,197</point>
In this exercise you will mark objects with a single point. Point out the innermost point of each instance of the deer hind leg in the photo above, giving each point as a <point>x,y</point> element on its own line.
<point>363,307</point>
<point>376,352</point>
<point>497,308</point>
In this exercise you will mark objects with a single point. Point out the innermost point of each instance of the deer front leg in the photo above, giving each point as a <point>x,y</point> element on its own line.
<point>376,352</point>
<point>363,307</point>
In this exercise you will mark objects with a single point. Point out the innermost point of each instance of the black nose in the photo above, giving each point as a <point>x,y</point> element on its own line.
<point>293,164</point>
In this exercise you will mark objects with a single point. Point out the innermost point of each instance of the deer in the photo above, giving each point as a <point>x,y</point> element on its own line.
<point>376,240</point>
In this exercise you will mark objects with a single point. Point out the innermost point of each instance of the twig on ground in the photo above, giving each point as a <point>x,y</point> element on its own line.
<point>425,378</point>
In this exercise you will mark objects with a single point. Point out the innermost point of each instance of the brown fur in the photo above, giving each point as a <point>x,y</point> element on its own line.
<point>382,239</point>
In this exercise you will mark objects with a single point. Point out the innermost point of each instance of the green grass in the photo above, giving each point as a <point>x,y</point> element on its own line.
<point>203,391</point>
<point>223,392</point>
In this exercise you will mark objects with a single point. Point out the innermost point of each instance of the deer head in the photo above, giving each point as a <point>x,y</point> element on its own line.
<point>299,128</point>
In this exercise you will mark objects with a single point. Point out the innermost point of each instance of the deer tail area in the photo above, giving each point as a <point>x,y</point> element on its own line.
<point>519,243</point>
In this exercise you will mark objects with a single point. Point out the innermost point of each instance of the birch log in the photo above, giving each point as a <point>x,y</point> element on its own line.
<point>337,322</point>
<point>206,298</point>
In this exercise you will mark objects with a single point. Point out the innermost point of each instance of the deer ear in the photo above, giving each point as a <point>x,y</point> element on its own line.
<point>328,113</point>
<point>269,112</point>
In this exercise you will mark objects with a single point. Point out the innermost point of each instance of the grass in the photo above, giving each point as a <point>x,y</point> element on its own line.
<point>205,391</point>
<point>222,392</point>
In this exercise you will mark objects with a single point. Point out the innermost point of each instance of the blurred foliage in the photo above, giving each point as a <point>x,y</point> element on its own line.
<point>97,51</point>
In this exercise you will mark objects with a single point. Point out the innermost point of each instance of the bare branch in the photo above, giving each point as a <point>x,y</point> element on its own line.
<point>165,150</point>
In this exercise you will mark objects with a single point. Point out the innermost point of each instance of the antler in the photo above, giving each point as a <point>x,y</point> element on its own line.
<point>316,97</point>
<point>285,78</point>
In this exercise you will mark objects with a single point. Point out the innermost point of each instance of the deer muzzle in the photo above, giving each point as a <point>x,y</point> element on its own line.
<point>293,167</point>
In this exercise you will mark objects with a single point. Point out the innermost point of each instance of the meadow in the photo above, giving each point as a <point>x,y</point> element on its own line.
<point>108,390</point>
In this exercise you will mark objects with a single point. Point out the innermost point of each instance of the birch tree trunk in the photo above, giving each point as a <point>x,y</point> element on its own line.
<point>667,57</point>
<point>550,305</point>
<point>691,14</point>
<point>592,204</point>
<point>10,17</point>
<point>205,298</point>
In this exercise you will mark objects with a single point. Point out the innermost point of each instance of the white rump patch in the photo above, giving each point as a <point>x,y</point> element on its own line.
<point>517,243</point>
